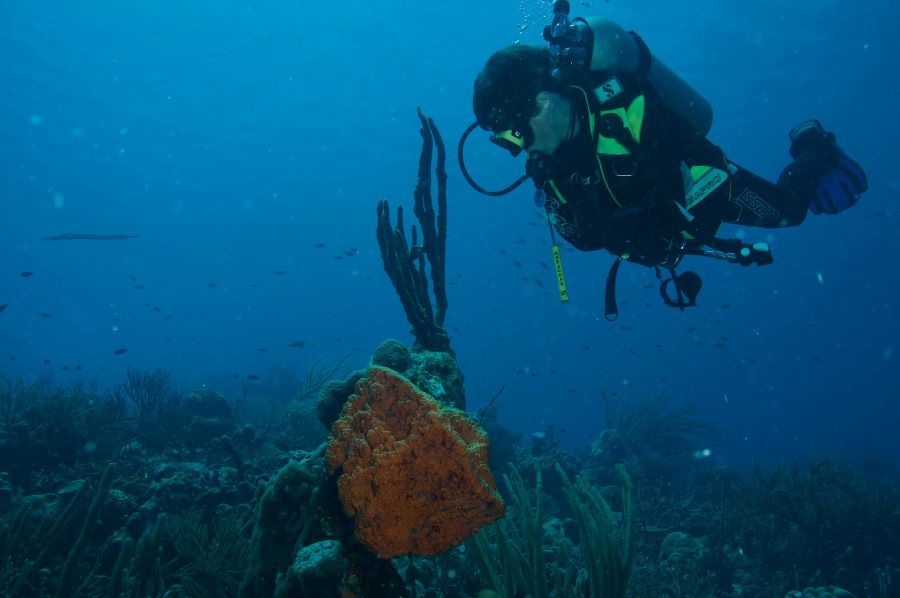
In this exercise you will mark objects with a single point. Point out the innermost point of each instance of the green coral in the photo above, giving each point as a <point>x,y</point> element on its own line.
<point>512,551</point>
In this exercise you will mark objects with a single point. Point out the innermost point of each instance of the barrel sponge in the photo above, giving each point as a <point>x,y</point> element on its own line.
<point>412,473</point>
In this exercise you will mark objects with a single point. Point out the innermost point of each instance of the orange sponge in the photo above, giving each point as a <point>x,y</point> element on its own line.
<point>413,474</point>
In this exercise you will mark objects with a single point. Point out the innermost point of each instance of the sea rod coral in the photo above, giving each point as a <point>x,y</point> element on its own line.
<point>413,474</point>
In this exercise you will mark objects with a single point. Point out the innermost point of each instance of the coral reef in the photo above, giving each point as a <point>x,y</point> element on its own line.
<point>413,474</point>
<point>180,518</point>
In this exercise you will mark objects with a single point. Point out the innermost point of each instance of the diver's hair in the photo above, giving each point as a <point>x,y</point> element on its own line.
<point>505,90</point>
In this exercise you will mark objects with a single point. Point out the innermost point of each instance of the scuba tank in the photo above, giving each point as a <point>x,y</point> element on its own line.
<point>614,49</point>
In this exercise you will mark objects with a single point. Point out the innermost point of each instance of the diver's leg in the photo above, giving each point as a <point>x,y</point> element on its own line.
<point>754,201</point>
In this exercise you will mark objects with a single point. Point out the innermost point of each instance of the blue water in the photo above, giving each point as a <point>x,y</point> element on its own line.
<point>234,137</point>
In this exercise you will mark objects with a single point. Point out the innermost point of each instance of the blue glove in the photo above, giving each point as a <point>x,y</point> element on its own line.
<point>832,180</point>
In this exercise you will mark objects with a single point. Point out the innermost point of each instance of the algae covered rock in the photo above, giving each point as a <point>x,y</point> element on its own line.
<point>392,354</point>
<point>438,374</point>
<point>315,570</point>
<point>286,515</point>
<point>205,402</point>
<point>821,592</point>
<point>333,396</point>
<point>679,547</point>
<point>208,414</point>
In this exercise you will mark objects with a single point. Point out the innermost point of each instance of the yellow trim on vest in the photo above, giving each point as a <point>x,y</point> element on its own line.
<point>632,119</point>
<point>605,182</point>
<point>557,192</point>
<point>697,172</point>
<point>591,117</point>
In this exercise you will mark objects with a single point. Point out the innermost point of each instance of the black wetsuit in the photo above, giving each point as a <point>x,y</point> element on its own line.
<point>634,204</point>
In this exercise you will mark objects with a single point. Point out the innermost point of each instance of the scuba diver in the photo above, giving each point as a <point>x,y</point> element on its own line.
<point>617,149</point>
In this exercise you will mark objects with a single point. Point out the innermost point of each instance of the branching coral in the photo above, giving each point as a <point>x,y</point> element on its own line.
<point>405,263</point>
<point>413,474</point>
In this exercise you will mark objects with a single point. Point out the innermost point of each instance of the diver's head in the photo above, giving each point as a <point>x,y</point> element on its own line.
<point>515,88</point>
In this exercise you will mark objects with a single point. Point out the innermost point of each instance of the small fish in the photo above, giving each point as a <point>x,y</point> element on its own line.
<point>719,345</point>
<point>538,282</point>
<point>12,357</point>
<point>212,285</point>
<point>351,252</point>
<point>132,278</point>
<point>121,351</point>
<point>298,344</point>
<point>47,362</point>
<point>338,257</point>
<point>44,314</point>
<point>502,251</point>
<point>280,272</point>
<point>26,274</point>
<point>168,317</point>
<point>78,366</point>
<point>519,241</point>
<point>65,368</point>
<point>263,350</point>
<point>517,263</point>
<point>319,245</point>
<point>3,307</point>
<point>89,237</point>
<point>252,377</point>
<point>156,309</point>
<point>544,265</point>
<point>139,286</point>
<point>725,306</point>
